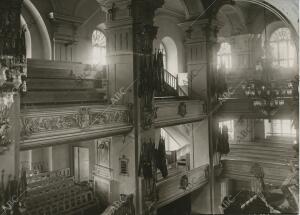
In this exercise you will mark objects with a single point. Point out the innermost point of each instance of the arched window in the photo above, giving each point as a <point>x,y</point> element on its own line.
<point>224,56</point>
<point>170,55</point>
<point>164,52</point>
<point>282,48</point>
<point>99,47</point>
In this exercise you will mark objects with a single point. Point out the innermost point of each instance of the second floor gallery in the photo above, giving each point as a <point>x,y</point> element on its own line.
<point>149,107</point>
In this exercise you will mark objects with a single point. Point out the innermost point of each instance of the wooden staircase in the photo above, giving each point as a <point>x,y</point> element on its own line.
<point>171,87</point>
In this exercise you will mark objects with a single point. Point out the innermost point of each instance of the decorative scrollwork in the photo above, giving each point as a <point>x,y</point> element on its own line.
<point>83,119</point>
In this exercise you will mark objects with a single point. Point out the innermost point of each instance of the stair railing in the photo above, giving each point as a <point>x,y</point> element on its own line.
<point>172,81</point>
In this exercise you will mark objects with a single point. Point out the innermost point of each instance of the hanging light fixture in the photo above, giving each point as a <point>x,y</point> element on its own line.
<point>267,94</point>
<point>13,65</point>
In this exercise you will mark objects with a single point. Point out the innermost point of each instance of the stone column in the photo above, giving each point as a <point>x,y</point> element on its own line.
<point>130,33</point>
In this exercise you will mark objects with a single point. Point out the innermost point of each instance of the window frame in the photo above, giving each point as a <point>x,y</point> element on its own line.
<point>276,40</point>
<point>224,55</point>
<point>98,47</point>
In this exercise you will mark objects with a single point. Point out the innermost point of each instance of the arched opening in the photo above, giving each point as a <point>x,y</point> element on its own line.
<point>41,48</point>
<point>282,48</point>
<point>99,48</point>
<point>27,38</point>
<point>171,54</point>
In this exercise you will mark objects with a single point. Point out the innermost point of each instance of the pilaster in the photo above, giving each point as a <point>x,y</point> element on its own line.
<point>196,44</point>
<point>130,33</point>
<point>201,56</point>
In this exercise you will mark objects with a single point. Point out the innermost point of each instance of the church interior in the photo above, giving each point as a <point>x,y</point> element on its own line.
<point>149,107</point>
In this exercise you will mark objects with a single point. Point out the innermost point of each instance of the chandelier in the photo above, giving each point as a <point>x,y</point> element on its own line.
<point>13,69</point>
<point>266,93</point>
<point>267,96</point>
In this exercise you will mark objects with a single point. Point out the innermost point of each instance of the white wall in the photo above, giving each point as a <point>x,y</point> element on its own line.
<point>167,28</point>
<point>201,145</point>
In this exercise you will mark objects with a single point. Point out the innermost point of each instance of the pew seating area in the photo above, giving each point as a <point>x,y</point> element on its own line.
<point>58,193</point>
<point>46,178</point>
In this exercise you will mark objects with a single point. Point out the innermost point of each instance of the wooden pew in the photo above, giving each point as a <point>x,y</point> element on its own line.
<point>75,203</point>
<point>59,83</point>
<point>42,179</point>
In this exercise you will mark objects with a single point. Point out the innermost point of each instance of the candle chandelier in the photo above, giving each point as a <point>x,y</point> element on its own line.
<point>13,69</point>
<point>267,94</point>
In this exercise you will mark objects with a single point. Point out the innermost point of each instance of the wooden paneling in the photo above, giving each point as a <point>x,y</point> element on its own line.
<point>169,189</point>
<point>61,84</point>
<point>168,112</point>
<point>53,82</point>
<point>264,152</point>
<point>66,96</point>
<point>273,158</point>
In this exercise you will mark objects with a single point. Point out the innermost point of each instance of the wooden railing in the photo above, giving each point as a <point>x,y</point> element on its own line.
<point>172,81</point>
<point>121,207</point>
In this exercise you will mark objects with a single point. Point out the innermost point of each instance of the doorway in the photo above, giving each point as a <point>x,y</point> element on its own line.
<point>81,164</point>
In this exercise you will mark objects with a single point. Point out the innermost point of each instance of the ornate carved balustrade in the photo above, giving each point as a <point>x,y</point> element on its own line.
<point>47,126</point>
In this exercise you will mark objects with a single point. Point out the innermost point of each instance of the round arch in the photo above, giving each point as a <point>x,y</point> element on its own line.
<point>232,21</point>
<point>27,38</point>
<point>42,30</point>
<point>172,54</point>
<point>282,10</point>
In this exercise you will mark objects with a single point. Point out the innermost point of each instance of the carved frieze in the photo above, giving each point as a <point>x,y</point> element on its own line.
<point>84,118</point>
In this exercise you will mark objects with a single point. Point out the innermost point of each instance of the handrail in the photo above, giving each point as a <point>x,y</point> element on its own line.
<point>172,81</point>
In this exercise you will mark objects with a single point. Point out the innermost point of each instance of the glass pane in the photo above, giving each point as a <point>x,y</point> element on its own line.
<point>98,39</point>
<point>224,56</point>
<point>283,54</point>
<point>286,54</point>
<point>274,50</point>
<point>286,127</point>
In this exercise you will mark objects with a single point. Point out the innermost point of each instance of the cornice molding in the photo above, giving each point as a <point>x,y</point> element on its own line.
<point>170,13</point>
<point>62,18</point>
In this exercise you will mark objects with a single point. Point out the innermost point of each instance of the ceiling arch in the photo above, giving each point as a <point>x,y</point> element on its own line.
<point>41,28</point>
<point>287,11</point>
<point>192,8</point>
<point>231,20</point>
